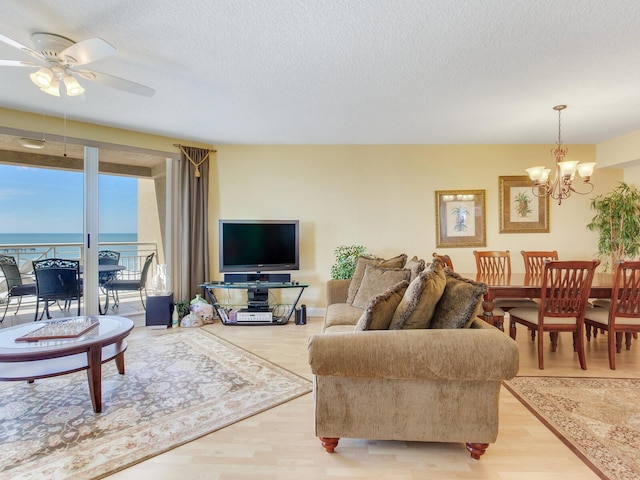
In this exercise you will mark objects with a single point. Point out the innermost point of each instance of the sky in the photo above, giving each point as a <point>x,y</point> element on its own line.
<point>39,200</point>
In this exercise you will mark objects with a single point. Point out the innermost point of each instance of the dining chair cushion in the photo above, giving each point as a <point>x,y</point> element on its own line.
<point>419,302</point>
<point>361,264</point>
<point>378,314</point>
<point>530,314</point>
<point>601,302</point>
<point>601,315</point>
<point>515,303</point>
<point>459,303</point>
<point>375,281</point>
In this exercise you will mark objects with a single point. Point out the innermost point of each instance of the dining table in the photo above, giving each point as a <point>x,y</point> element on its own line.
<point>521,285</point>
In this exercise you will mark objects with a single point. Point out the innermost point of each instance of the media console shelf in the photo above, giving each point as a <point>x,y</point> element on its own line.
<point>257,310</point>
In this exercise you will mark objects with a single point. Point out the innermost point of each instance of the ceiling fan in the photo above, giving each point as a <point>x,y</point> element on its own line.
<point>59,59</point>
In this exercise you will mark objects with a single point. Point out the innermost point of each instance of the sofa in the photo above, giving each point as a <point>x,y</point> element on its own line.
<point>429,384</point>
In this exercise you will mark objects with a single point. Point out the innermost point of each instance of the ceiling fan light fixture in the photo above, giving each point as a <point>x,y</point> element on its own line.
<point>73,87</point>
<point>53,88</point>
<point>42,78</point>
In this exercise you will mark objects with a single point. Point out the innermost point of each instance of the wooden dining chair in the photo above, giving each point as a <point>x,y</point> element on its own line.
<point>534,260</point>
<point>623,314</point>
<point>446,260</point>
<point>565,291</point>
<point>497,263</point>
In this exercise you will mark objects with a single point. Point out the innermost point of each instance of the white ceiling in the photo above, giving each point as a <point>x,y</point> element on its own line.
<point>346,71</point>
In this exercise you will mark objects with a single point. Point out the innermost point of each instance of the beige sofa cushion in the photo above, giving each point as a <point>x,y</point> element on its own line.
<point>379,312</point>
<point>363,261</point>
<point>341,314</point>
<point>375,281</point>
<point>459,303</point>
<point>419,302</point>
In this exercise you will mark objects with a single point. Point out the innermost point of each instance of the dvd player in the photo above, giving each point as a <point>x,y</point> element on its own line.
<point>254,317</point>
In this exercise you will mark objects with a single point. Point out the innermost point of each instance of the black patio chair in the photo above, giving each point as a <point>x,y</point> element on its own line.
<point>16,287</point>
<point>120,284</point>
<point>57,280</point>
<point>108,257</point>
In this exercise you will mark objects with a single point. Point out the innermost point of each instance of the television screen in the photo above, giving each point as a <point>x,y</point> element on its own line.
<point>258,245</point>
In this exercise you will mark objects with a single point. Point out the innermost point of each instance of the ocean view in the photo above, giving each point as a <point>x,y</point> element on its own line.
<point>55,238</point>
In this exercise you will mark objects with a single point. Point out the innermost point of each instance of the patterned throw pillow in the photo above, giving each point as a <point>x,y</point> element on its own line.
<point>416,265</point>
<point>419,302</point>
<point>459,302</point>
<point>376,280</point>
<point>363,261</point>
<point>378,313</point>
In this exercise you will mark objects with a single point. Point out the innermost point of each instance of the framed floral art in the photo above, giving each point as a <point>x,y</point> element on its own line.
<point>520,210</point>
<point>460,218</point>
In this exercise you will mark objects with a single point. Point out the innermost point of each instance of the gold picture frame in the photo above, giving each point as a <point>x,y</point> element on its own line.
<point>520,210</point>
<point>460,218</point>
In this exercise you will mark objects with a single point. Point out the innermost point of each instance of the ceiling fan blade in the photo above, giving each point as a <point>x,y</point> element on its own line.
<point>20,46</point>
<point>87,51</point>
<point>116,82</point>
<point>17,63</point>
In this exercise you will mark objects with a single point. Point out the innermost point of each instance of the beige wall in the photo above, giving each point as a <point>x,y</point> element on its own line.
<point>383,197</point>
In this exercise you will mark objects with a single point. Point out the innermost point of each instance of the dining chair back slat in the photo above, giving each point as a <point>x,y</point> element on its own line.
<point>534,260</point>
<point>493,262</point>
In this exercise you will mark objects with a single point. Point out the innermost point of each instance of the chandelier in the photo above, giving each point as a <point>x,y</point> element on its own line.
<point>562,185</point>
<point>50,78</point>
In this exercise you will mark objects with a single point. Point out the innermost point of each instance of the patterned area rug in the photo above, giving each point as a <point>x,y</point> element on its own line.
<point>598,418</point>
<point>177,387</point>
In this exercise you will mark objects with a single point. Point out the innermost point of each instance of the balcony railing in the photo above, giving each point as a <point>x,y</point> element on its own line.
<point>132,255</point>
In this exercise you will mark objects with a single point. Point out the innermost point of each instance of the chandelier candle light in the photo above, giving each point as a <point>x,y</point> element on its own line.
<point>561,186</point>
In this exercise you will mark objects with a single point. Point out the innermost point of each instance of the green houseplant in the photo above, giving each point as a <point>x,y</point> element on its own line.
<point>182,306</point>
<point>617,221</point>
<point>346,257</point>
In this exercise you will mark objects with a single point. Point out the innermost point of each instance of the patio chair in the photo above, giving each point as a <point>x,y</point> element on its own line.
<point>16,287</point>
<point>120,284</point>
<point>57,280</point>
<point>108,257</point>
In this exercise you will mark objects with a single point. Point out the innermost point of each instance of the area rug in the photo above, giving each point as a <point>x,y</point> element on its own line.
<point>597,418</point>
<point>177,387</point>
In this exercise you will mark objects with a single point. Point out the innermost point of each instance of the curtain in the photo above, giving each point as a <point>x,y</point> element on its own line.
<point>190,223</point>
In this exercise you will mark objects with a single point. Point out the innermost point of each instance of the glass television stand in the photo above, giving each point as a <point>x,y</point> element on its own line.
<point>257,310</point>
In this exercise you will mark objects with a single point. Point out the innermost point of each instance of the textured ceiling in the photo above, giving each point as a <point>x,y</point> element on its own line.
<point>346,71</point>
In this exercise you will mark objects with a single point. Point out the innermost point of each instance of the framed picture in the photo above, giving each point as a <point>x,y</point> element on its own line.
<point>460,218</point>
<point>520,210</point>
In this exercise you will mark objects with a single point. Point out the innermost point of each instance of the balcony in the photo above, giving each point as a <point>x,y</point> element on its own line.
<point>132,256</point>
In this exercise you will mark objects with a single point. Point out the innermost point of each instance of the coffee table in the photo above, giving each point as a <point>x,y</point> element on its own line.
<point>48,358</point>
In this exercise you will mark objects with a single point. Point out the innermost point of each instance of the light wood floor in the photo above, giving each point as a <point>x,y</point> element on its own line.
<point>280,443</point>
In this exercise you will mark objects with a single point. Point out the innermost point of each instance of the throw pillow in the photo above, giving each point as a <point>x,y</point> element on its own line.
<point>362,262</point>
<point>457,307</point>
<point>378,313</point>
<point>376,280</point>
<point>420,299</point>
<point>416,265</point>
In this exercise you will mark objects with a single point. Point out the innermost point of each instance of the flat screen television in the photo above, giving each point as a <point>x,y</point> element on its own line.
<point>259,245</point>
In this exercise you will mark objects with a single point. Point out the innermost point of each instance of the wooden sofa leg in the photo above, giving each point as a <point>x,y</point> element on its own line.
<point>330,443</point>
<point>477,449</point>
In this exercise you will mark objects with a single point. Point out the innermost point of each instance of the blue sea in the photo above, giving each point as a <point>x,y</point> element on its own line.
<point>56,238</point>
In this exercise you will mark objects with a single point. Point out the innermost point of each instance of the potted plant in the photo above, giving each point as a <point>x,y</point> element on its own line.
<point>346,258</point>
<point>617,221</point>
<point>182,306</point>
